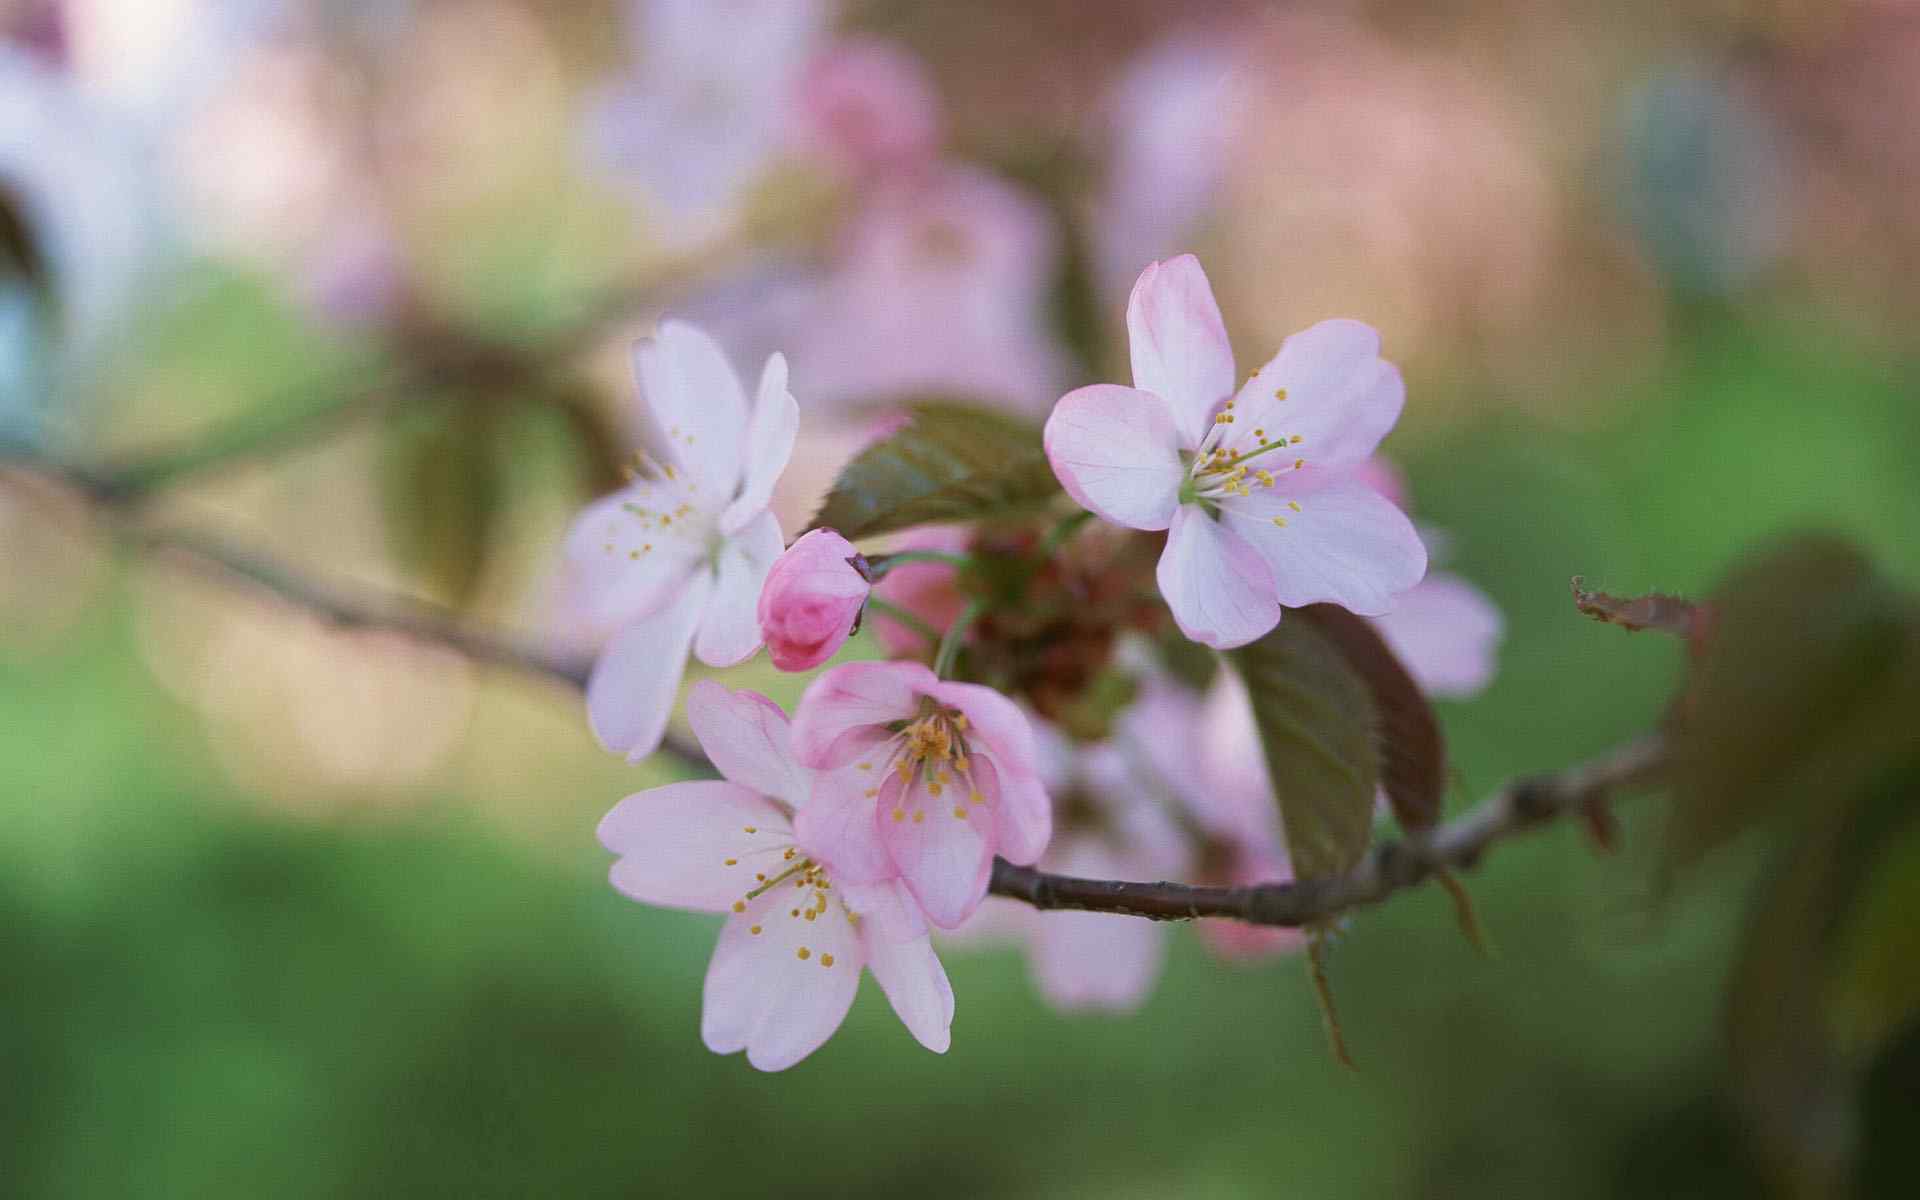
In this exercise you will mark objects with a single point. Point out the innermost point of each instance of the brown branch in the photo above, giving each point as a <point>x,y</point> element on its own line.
<point>1389,868</point>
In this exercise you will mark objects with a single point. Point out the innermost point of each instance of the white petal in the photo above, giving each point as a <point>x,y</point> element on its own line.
<point>1447,632</point>
<point>745,736</point>
<point>1179,343</point>
<point>1346,544</point>
<point>695,406</point>
<point>686,845</point>
<point>1220,591</point>
<point>763,997</point>
<point>1341,396</point>
<point>730,628</point>
<point>770,437</point>
<point>1117,453</point>
<point>631,691</point>
<point>916,985</point>
<point>616,569</point>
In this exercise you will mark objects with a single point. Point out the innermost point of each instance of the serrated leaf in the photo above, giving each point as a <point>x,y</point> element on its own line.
<point>1789,693</point>
<point>441,489</point>
<point>1413,755</point>
<point>951,463</point>
<point>1319,732</point>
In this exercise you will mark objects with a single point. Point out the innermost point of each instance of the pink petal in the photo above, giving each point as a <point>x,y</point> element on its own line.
<point>630,693</point>
<point>730,627</point>
<point>1095,960</point>
<point>916,985</point>
<point>840,827</point>
<point>1220,591</point>
<point>686,845</point>
<point>1342,397</point>
<point>1117,453</point>
<point>1023,815</point>
<point>745,735</point>
<point>697,413</point>
<point>887,910</point>
<point>842,714</point>
<point>769,444</point>
<point>1346,544</point>
<point>1179,343</point>
<point>761,996</point>
<point>1447,632</point>
<point>943,858</point>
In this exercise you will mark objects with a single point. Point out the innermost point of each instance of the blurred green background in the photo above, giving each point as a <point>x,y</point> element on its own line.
<point>295,910</point>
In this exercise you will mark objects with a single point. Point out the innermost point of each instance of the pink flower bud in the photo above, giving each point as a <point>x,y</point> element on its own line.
<point>812,596</point>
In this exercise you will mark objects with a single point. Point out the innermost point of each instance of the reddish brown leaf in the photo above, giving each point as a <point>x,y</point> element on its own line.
<point>1668,614</point>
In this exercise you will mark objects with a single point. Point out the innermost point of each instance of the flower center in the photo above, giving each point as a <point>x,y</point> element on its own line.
<point>811,886</point>
<point>929,758</point>
<point>1220,465</point>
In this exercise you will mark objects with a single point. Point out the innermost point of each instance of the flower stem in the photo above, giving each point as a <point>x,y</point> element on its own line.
<point>956,633</point>
<point>880,564</point>
<point>1060,533</point>
<point>893,612</point>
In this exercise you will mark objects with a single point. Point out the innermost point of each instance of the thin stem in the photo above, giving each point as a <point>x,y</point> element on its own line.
<point>893,612</point>
<point>880,564</point>
<point>1068,526</point>
<point>956,633</point>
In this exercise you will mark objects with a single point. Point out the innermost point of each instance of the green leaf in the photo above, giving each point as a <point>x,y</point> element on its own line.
<point>1789,693</point>
<point>1319,732</point>
<point>952,463</point>
<point>441,488</point>
<point>1413,755</point>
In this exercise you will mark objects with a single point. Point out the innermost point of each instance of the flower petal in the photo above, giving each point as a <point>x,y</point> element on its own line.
<point>730,627</point>
<point>630,693</point>
<point>1447,632</point>
<point>762,996</point>
<point>746,737</point>
<point>942,845</point>
<point>614,569</point>
<point>1341,396</point>
<point>1219,589</point>
<point>686,845</point>
<point>1345,544</point>
<point>769,444</point>
<point>1179,343</point>
<point>1117,453</point>
<point>696,410</point>
<point>842,714</point>
<point>839,826</point>
<point>916,985</point>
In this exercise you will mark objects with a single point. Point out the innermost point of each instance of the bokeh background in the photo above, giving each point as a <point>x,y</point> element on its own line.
<point>298,909</point>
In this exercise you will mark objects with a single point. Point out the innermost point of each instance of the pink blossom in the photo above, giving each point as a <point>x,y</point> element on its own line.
<point>789,958</point>
<point>944,777</point>
<point>928,590</point>
<point>812,597</point>
<point>867,105</point>
<point>676,560</point>
<point>940,288</point>
<point>1241,814</point>
<point>1257,489</point>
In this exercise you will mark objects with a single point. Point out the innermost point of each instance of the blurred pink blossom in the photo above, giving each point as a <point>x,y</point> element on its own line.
<point>868,106</point>
<point>928,590</point>
<point>811,599</point>
<point>787,966</point>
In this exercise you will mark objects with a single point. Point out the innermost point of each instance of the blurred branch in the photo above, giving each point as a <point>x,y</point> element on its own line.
<point>1389,868</point>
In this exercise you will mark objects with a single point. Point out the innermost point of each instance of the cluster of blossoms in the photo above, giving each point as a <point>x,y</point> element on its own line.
<point>1041,726</point>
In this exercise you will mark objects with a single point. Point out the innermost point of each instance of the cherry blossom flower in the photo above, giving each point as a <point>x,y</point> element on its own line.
<point>868,106</point>
<point>677,559</point>
<point>797,935</point>
<point>1257,488</point>
<point>944,777</point>
<point>813,596</point>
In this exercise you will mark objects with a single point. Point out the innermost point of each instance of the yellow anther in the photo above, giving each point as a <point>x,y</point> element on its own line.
<point>919,815</point>
<point>1280,393</point>
<point>752,829</point>
<point>1298,463</point>
<point>804,953</point>
<point>810,914</point>
<point>866,766</point>
<point>1280,521</point>
<point>899,814</point>
<point>935,788</point>
<point>1296,439</point>
<point>789,854</point>
<point>826,960</point>
<point>793,912</point>
<point>871,792</point>
<point>977,798</point>
<point>1294,505</point>
<point>754,930</point>
<point>960,721</point>
<point>733,862</point>
<point>760,875</point>
<point>960,812</point>
<point>739,906</point>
